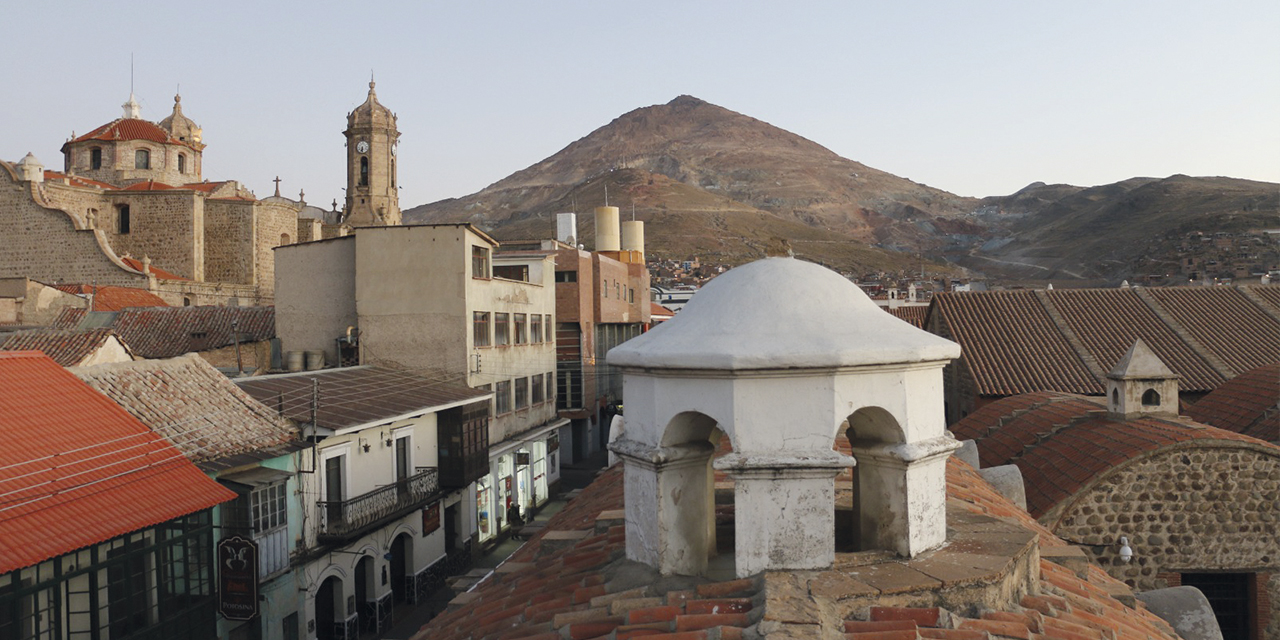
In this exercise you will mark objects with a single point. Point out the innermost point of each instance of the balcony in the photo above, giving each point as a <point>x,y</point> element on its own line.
<point>347,519</point>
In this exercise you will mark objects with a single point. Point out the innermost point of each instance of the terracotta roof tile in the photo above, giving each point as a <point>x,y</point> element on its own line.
<point>205,187</point>
<point>68,348</point>
<point>165,332</point>
<point>77,181</point>
<point>112,476</point>
<point>149,185</point>
<point>1226,322</point>
<point>107,298</point>
<point>135,264</point>
<point>1248,404</point>
<point>130,129</point>
<point>195,407</point>
<point>1062,443</point>
<point>913,314</point>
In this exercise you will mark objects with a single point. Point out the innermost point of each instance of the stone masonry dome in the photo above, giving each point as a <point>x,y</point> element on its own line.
<point>371,111</point>
<point>781,313</point>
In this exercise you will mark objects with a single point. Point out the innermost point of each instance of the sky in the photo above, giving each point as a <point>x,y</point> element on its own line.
<point>978,98</point>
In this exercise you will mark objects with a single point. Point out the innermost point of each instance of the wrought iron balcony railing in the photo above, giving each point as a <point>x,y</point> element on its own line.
<point>353,516</point>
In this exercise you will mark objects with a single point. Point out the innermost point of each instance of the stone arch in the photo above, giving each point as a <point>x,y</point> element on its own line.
<point>1151,398</point>
<point>329,606</point>
<point>874,424</point>
<point>691,426</point>
<point>284,239</point>
<point>862,432</point>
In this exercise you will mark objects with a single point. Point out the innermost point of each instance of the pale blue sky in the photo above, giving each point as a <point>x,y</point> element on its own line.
<point>978,97</point>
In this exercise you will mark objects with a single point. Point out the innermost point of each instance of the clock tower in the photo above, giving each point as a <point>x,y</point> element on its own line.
<point>372,194</point>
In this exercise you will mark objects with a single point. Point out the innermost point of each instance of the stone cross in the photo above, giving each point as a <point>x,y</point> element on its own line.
<point>277,181</point>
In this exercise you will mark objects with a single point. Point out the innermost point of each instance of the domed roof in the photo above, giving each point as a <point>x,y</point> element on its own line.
<point>371,110</point>
<point>180,126</point>
<point>781,313</point>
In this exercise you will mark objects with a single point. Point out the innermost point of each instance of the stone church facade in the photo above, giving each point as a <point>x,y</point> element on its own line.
<point>131,208</point>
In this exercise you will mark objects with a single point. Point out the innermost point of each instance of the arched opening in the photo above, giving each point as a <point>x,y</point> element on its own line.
<point>182,163</point>
<point>860,507</point>
<point>95,158</point>
<point>284,239</point>
<point>1151,398</point>
<point>705,508</point>
<point>401,566</point>
<point>330,607</point>
<point>141,159</point>
<point>364,171</point>
<point>365,580</point>
<point>1115,397</point>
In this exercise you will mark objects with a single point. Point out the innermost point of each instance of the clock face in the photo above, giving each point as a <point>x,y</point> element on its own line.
<point>362,147</point>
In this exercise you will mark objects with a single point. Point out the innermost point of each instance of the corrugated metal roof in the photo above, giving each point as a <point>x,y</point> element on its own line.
<point>196,408</point>
<point>355,395</point>
<point>76,469</point>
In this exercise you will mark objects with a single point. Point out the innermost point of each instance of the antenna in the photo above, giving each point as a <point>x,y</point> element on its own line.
<point>633,209</point>
<point>130,73</point>
<point>606,195</point>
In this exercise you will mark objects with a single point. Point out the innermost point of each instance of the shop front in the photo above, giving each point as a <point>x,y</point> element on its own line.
<point>521,473</point>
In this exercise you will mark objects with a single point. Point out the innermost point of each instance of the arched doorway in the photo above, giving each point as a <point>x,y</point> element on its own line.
<point>866,428</point>
<point>401,565</point>
<point>329,609</point>
<point>364,583</point>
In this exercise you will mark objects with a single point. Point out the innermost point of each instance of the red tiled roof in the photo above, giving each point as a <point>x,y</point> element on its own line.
<point>165,332</point>
<point>1062,442</point>
<point>1066,340</point>
<point>1011,345</point>
<point>67,348</point>
<point>130,129</point>
<point>1226,322</point>
<point>176,395</point>
<point>149,185</point>
<point>77,181</point>
<point>237,199</point>
<point>656,309</point>
<point>106,298</point>
<point>556,587</point>
<point>111,475</point>
<point>134,263</point>
<point>913,314</point>
<point>206,187</point>
<point>1247,404</point>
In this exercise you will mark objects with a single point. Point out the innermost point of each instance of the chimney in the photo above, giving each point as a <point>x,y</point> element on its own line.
<point>842,369</point>
<point>1141,385</point>
<point>607,229</point>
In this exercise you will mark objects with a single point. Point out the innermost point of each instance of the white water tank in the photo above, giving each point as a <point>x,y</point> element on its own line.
<point>294,361</point>
<point>633,236</point>
<point>607,229</point>
<point>567,228</point>
<point>315,360</point>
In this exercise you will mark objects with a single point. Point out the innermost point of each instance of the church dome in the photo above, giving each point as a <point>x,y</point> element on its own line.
<point>781,313</point>
<point>180,126</point>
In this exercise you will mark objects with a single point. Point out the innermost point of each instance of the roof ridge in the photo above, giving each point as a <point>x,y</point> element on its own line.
<point>1260,302</point>
<point>1212,360</point>
<point>1055,315</point>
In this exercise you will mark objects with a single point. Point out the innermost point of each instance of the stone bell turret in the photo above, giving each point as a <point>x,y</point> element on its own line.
<point>1141,384</point>
<point>782,357</point>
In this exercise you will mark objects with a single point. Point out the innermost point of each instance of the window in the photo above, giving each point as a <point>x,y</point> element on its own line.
<point>122,218</point>
<point>551,385</point>
<point>522,393</point>
<point>182,163</point>
<point>501,329</point>
<point>537,388</point>
<point>617,290</point>
<point>519,272</point>
<point>403,464</point>
<point>631,295</point>
<point>1151,398</point>
<point>141,159</point>
<point>284,239</point>
<point>95,158</point>
<point>364,171</point>
<point>269,512</point>
<point>546,328</point>
<point>502,397</point>
<point>479,262</point>
<point>480,328</point>
<point>566,276</point>
<point>604,288</point>
<point>334,490</point>
<point>522,328</point>
<point>535,328</point>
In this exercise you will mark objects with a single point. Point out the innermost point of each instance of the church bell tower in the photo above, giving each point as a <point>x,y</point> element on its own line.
<point>372,194</point>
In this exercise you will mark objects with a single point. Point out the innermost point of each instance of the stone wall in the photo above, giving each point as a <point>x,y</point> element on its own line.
<point>229,228</point>
<point>275,224</point>
<point>166,225</point>
<point>1184,510</point>
<point>254,356</point>
<point>87,206</point>
<point>118,160</point>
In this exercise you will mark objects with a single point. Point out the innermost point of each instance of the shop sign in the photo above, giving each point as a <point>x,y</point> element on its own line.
<point>553,443</point>
<point>238,582</point>
<point>522,458</point>
<point>430,519</point>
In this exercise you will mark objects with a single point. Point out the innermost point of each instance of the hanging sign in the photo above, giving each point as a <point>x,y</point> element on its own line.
<point>238,578</point>
<point>430,519</point>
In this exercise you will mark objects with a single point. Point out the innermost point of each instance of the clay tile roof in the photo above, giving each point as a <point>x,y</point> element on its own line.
<point>130,129</point>
<point>562,584</point>
<point>351,396</point>
<point>165,332</point>
<point>69,348</point>
<point>77,181</point>
<point>134,263</point>
<point>1247,404</point>
<point>206,187</point>
<point>149,185</point>
<point>1067,339</point>
<point>1061,442</point>
<point>106,298</point>
<point>199,410</point>
<point>914,314</point>
<point>112,476</point>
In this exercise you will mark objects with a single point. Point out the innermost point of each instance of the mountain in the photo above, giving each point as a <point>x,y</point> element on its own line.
<point>1109,230</point>
<point>692,159</point>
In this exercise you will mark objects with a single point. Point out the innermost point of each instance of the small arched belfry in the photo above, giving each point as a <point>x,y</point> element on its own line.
<point>782,357</point>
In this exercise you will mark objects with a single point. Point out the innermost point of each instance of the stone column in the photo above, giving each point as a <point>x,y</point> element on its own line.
<point>902,494</point>
<point>669,505</point>
<point>784,509</point>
